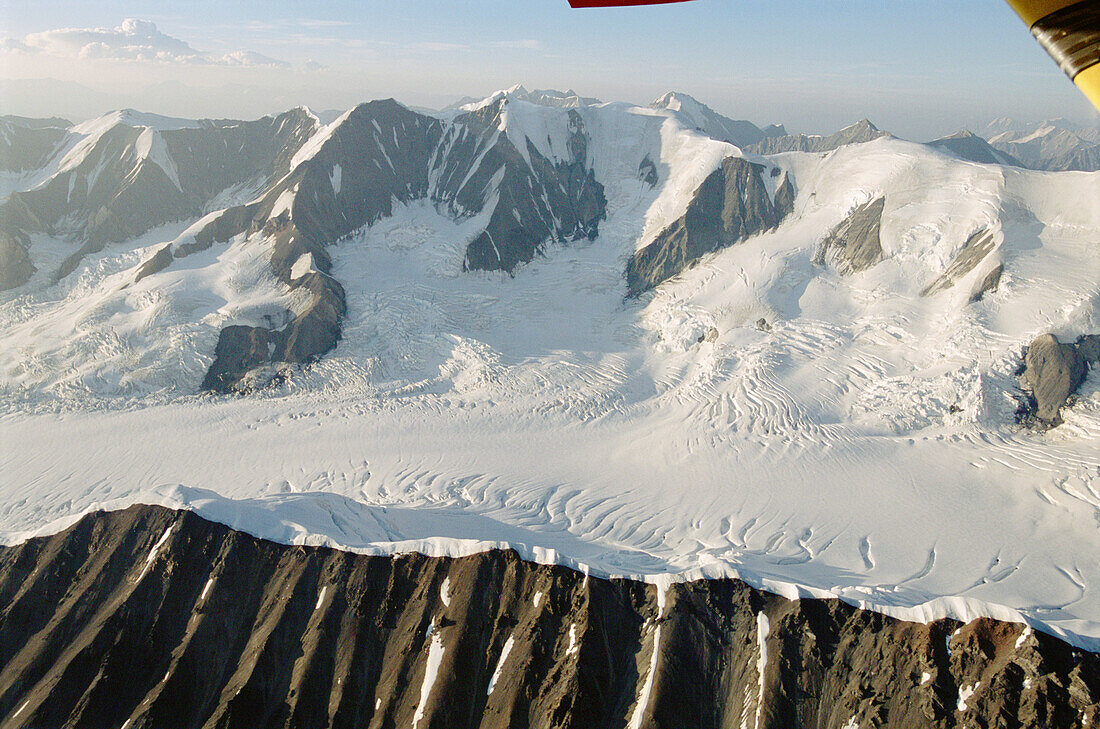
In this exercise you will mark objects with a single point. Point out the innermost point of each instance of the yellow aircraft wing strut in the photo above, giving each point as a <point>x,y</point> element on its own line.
<point>1070,32</point>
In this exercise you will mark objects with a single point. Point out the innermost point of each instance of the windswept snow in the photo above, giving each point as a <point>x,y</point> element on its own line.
<point>302,266</point>
<point>431,672</point>
<point>864,447</point>
<point>500,664</point>
<point>313,145</point>
<point>763,628</point>
<point>150,145</point>
<point>965,693</point>
<point>638,715</point>
<point>152,556</point>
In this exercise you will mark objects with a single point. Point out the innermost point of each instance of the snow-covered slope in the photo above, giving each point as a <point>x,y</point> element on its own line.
<point>859,441</point>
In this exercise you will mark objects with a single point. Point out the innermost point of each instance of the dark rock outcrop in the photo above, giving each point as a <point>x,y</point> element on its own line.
<point>1052,373</point>
<point>980,244</point>
<point>730,205</point>
<point>15,264</point>
<point>854,245</point>
<point>536,199</point>
<point>155,618</point>
<point>378,155</point>
<point>990,283</point>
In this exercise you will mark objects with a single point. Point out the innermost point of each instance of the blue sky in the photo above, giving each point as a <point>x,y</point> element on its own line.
<point>917,67</point>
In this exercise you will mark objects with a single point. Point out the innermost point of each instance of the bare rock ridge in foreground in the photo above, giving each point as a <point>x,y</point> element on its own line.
<point>1052,372</point>
<point>151,617</point>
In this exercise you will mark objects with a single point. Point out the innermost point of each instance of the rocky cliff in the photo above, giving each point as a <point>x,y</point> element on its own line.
<point>150,617</point>
<point>533,199</point>
<point>730,205</point>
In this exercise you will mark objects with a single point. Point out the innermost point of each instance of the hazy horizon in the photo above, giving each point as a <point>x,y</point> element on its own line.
<point>918,71</point>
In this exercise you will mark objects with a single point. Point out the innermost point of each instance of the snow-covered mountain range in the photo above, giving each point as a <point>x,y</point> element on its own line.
<point>645,341</point>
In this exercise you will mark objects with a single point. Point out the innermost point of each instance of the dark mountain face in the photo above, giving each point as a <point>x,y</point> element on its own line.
<point>27,144</point>
<point>536,201</point>
<point>378,154</point>
<point>150,617</point>
<point>732,204</point>
<point>131,178</point>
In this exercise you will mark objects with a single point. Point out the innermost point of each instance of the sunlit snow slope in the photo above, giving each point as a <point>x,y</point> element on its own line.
<point>860,443</point>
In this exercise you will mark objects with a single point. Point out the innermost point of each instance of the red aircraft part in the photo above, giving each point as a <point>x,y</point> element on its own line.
<point>617,3</point>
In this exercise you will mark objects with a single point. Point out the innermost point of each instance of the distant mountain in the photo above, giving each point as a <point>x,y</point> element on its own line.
<point>1055,144</point>
<point>115,177</point>
<point>542,97</point>
<point>966,145</point>
<point>861,131</point>
<point>700,116</point>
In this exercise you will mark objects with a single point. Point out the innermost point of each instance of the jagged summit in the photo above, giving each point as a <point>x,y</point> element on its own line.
<point>542,97</point>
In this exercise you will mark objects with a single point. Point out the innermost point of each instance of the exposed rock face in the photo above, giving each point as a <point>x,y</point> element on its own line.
<point>990,283</point>
<point>379,154</point>
<point>1052,372</point>
<point>15,265</point>
<point>861,131</point>
<point>979,245</point>
<point>382,153</point>
<point>27,144</point>
<point>730,205</point>
<point>129,179</point>
<point>536,199</point>
<point>854,245</point>
<point>151,618</point>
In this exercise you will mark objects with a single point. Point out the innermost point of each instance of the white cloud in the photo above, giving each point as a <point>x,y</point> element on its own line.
<point>133,40</point>
<point>527,44</point>
<point>435,47</point>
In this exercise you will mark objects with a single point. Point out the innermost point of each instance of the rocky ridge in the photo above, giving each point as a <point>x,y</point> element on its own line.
<point>150,617</point>
<point>730,205</point>
<point>861,131</point>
